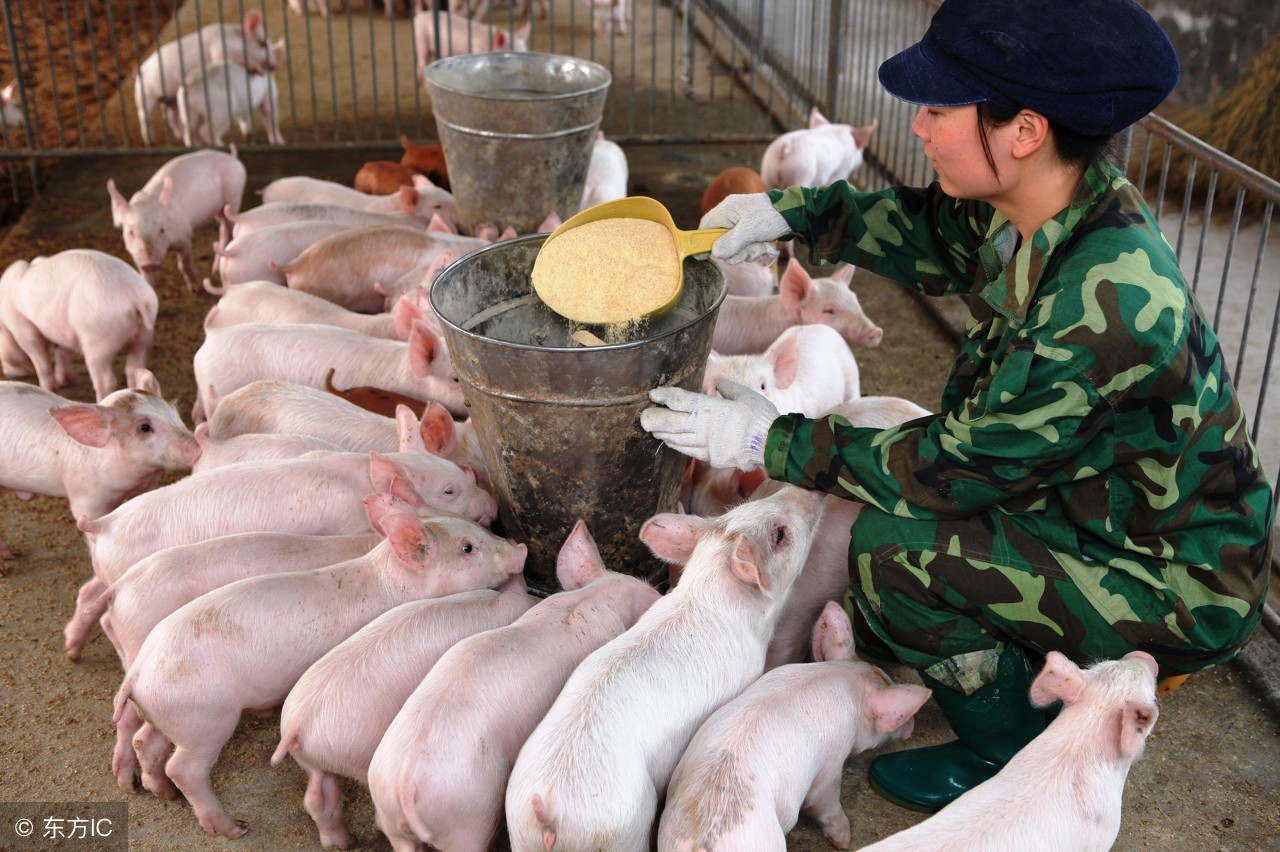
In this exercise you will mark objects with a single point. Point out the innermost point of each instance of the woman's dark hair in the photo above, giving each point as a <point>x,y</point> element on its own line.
<point>1075,149</point>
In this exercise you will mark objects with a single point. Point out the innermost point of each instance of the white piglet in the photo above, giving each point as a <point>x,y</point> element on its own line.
<point>317,495</point>
<point>419,367</point>
<point>262,301</point>
<point>356,268</point>
<point>210,99</point>
<point>161,74</point>
<point>1063,791</point>
<point>816,156</point>
<point>258,255</point>
<point>256,637</point>
<point>423,200</point>
<point>593,772</point>
<point>606,173</point>
<point>79,300</point>
<point>185,193</point>
<point>340,709</point>
<point>460,35</point>
<point>168,579</point>
<point>440,774</point>
<point>96,455</point>
<point>733,789</point>
<point>746,325</point>
<point>807,370</point>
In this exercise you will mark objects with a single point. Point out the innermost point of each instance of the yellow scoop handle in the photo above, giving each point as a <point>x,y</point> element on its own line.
<point>697,242</point>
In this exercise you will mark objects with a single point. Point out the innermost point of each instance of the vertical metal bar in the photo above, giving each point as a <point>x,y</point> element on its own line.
<point>1186,207</point>
<point>373,75</point>
<point>1231,245</point>
<point>53,73</point>
<point>1248,311</point>
<point>1275,324</point>
<point>1164,179</point>
<point>1141,182</point>
<point>835,56</point>
<point>93,74</point>
<point>351,66</point>
<point>75,82</point>
<point>113,42</point>
<point>1206,222</point>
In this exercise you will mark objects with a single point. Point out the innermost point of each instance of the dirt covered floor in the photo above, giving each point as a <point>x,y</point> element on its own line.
<point>1210,778</point>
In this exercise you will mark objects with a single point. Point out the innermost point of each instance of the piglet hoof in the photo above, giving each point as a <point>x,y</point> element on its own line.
<point>232,829</point>
<point>127,781</point>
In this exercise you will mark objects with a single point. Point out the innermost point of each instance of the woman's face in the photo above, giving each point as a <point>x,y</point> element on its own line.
<point>952,140</point>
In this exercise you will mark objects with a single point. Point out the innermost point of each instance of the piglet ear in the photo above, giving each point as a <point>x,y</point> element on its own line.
<point>672,537</point>
<point>784,355</point>
<point>407,429</point>
<point>407,198</point>
<point>817,119</point>
<point>407,312</point>
<point>119,204</point>
<point>422,349</point>
<point>402,489</point>
<point>145,381</point>
<point>86,424</point>
<point>795,285</point>
<point>166,191</point>
<point>746,565</point>
<point>412,541</point>
<point>579,561</point>
<point>1136,722</point>
<point>437,429</point>
<point>383,472</point>
<point>862,134</point>
<point>832,634</point>
<point>894,707</point>
<point>377,506</point>
<point>1059,680</point>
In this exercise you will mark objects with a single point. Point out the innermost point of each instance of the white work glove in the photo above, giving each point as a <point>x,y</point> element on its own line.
<point>753,226</point>
<point>725,431</point>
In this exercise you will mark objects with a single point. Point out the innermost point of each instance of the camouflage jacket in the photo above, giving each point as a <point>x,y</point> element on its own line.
<point>1090,401</point>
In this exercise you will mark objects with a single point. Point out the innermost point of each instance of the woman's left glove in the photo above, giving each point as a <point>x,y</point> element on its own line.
<point>725,431</point>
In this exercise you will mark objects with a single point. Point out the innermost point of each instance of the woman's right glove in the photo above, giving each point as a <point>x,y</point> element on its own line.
<point>753,226</point>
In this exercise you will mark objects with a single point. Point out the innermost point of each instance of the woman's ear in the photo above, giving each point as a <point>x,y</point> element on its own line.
<point>1031,132</point>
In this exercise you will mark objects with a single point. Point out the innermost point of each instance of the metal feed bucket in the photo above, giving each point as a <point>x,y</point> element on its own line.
<point>517,131</point>
<point>560,423</point>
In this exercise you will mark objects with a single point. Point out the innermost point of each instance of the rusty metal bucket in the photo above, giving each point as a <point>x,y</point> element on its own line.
<point>560,423</point>
<point>517,131</point>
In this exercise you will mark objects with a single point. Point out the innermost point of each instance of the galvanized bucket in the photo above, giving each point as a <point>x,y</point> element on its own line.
<point>560,423</point>
<point>517,131</point>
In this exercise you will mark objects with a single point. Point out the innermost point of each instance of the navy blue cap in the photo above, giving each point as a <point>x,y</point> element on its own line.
<point>1093,66</point>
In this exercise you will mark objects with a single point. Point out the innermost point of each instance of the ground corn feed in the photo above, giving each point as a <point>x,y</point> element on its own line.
<point>608,271</point>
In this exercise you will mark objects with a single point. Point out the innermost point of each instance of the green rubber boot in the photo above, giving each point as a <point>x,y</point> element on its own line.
<point>991,726</point>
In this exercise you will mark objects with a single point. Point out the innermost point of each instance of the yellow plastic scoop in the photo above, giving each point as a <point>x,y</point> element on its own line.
<point>568,277</point>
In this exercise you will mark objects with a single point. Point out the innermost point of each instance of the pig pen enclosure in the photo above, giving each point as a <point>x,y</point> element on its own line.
<point>698,85</point>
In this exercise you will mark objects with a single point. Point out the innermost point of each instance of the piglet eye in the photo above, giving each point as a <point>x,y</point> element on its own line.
<point>779,535</point>
<point>467,547</point>
<point>145,427</point>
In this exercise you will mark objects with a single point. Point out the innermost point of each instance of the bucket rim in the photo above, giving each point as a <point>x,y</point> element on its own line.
<point>472,58</point>
<point>452,269</point>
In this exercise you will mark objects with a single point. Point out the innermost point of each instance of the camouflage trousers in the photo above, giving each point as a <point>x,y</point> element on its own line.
<point>947,596</point>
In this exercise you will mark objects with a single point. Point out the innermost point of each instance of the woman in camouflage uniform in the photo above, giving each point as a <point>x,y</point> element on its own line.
<point>1089,485</point>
